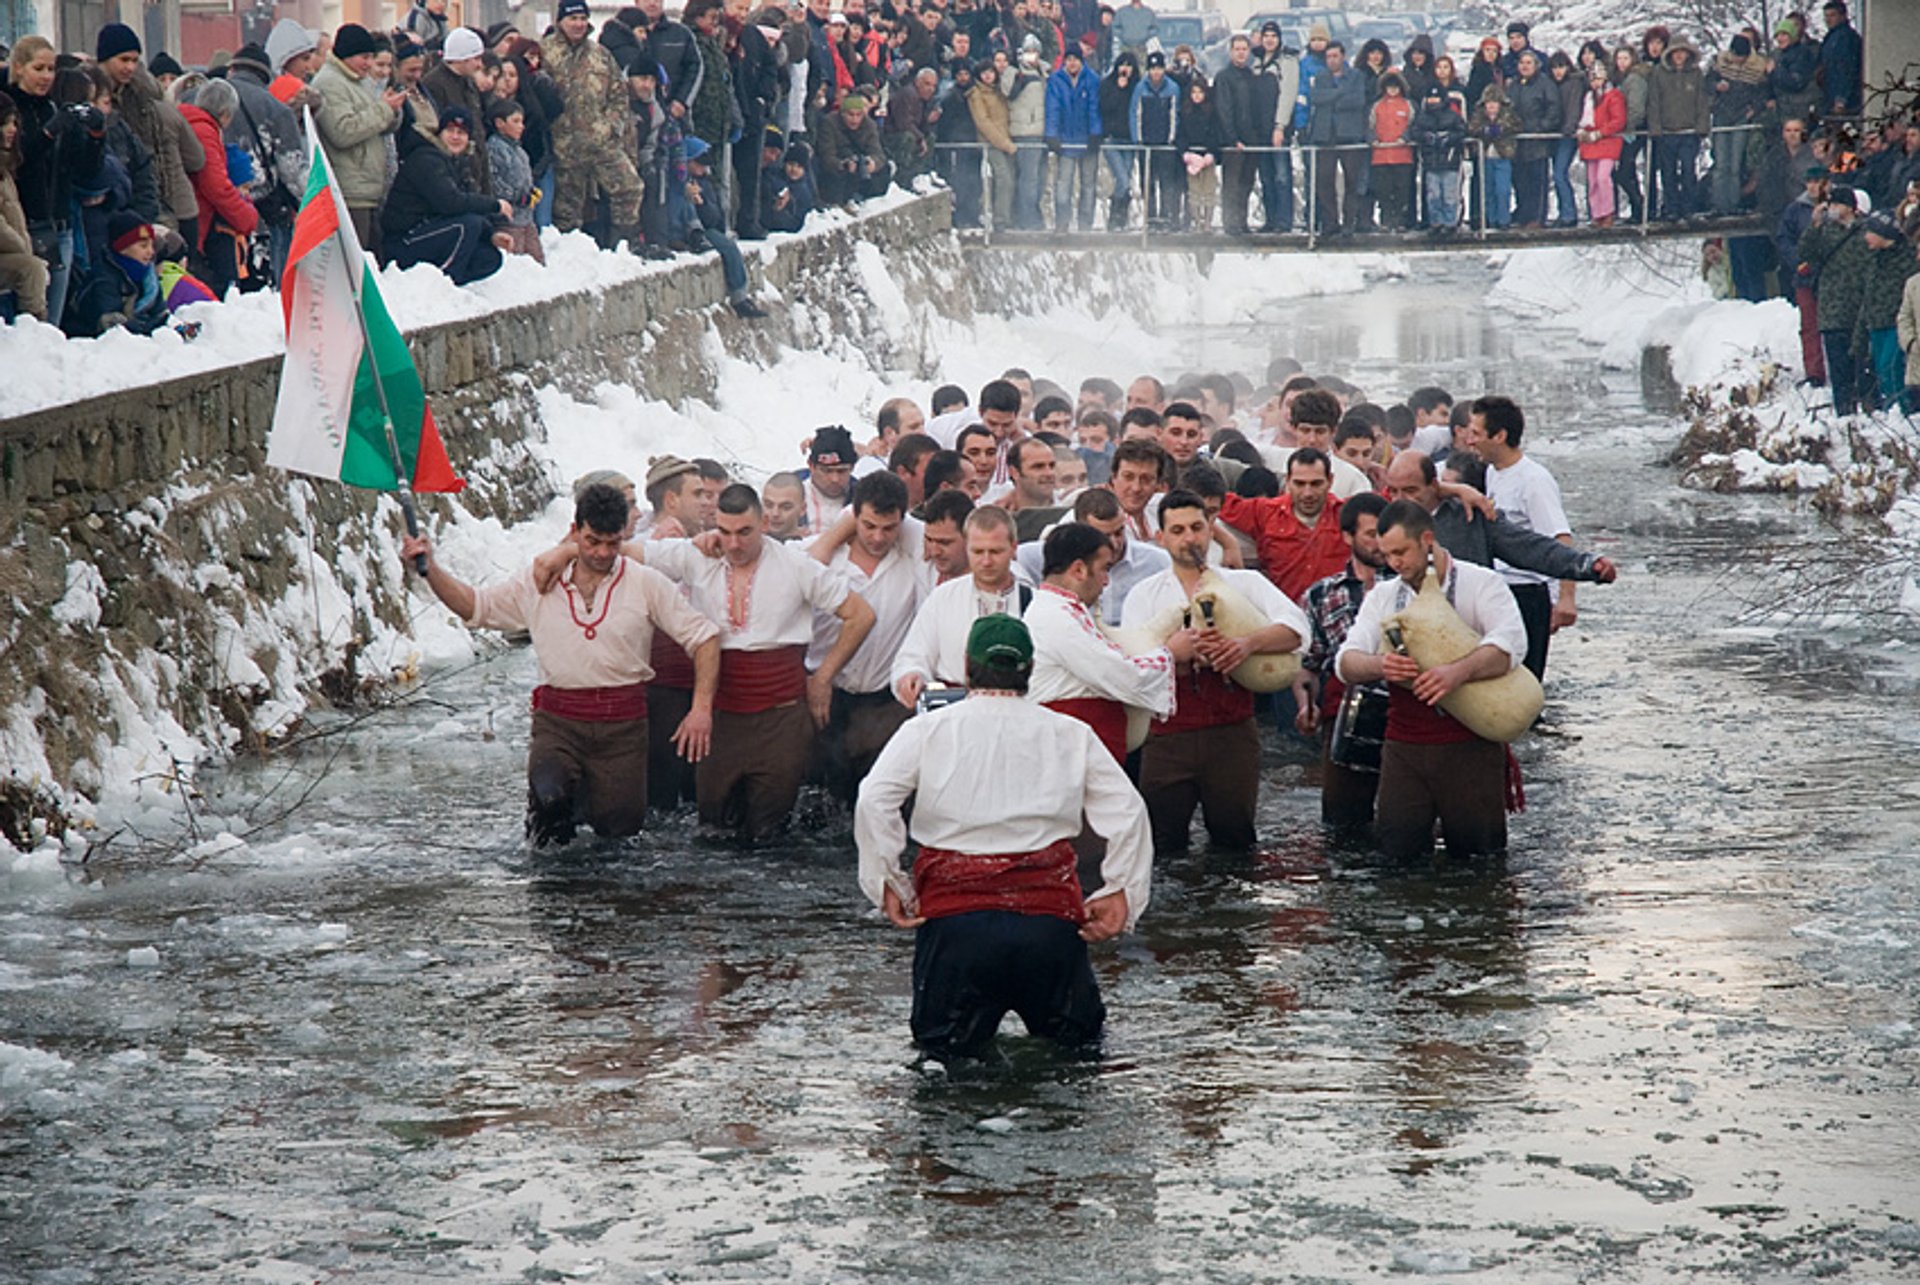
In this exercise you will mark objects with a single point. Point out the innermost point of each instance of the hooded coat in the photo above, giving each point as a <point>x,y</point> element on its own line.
<point>1677,97</point>
<point>1538,104</point>
<point>220,201</point>
<point>267,128</point>
<point>354,123</point>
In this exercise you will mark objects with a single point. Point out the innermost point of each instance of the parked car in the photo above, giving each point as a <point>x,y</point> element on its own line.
<point>1205,29</point>
<point>1296,23</point>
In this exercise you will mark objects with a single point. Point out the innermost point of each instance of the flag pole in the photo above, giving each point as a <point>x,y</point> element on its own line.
<point>342,226</point>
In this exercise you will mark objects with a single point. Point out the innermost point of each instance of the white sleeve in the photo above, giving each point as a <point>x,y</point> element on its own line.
<point>824,588</point>
<point>1545,511</point>
<point>1028,558</point>
<point>918,648</point>
<point>676,559</point>
<point>1116,814</point>
<point>879,830</point>
<point>1276,606</point>
<point>1364,638</point>
<point>1499,618</point>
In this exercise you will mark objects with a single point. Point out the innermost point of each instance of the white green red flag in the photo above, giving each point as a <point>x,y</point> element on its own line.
<point>343,352</point>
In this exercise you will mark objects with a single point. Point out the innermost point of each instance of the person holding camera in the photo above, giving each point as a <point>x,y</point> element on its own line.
<point>853,163</point>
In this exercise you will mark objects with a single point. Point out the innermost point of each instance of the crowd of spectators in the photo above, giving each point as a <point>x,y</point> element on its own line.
<point>129,183</point>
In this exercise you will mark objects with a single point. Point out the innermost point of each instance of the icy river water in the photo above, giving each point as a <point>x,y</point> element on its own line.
<point>1670,1037</point>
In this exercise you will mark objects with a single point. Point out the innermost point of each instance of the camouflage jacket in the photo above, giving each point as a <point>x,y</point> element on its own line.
<point>1884,282</point>
<point>595,92</point>
<point>713,107</point>
<point>1838,252</point>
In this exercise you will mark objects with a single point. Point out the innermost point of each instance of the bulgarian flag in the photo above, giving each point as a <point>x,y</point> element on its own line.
<point>351,406</point>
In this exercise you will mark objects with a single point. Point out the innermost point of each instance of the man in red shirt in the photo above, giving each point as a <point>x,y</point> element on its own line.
<point>1297,535</point>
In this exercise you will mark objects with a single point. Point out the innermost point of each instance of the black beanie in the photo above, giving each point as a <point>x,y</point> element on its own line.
<point>116,38</point>
<point>352,39</point>
<point>162,64</point>
<point>1742,47</point>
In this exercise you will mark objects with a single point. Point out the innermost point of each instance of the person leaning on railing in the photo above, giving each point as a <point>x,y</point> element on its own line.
<point>1679,115</point>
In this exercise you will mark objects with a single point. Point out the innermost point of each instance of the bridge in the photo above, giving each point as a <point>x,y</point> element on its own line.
<point>1135,241</point>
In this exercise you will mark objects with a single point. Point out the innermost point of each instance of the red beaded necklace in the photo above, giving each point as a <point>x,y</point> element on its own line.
<point>591,628</point>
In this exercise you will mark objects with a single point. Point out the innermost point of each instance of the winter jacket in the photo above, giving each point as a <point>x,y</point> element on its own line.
<point>956,119</point>
<point>1116,100</point>
<point>837,143</point>
<point>1134,25</point>
<point>1782,177</point>
<point>353,123</point>
<point>595,91</point>
<point>1236,104</point>
<point>512,177</point>
<point>1609,122</point>
<point>433,185</point>
<point>988,107</point>
<point>1392,117</point>
<point>1883,285</point>
<point>1793,82</point>
<point>1311,65</point>
<point>1073,109</point>
<point>1501,133</point>
<point>800,199</point>
<point>712,113</point>
<point>1480,77</point>
<point>267,128</point>
<point>1201,131</point>
<point>1027,105</point>
<point>1793,224</point>
<point>1156,112</point>
<point>1739,87</point>
<point>59,148</point>
<point>143,106</point>
<point>1838,253</point>
<point>1440,133</point>
<point>1633,88</point>
<point>424,27</point>
<point>1840,69</point>
<point>1419,79</point>
<point>143,191</point>
<point>1573,99</point>
<point>1276,88</point>
<point>541,104</point>
<point>1337,109</point>
<point>681,66</point>
<point>448,88</point>
<point>119,293</point>
<point>1537,103</point>
<point>1907,326</point>
<point>1677,97</point>
<point>221,202</point>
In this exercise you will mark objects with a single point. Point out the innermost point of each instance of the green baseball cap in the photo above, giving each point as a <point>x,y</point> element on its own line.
<point>1000,640</point>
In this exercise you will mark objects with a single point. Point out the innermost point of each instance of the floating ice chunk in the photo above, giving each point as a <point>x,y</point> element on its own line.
<point>334,932</point>
<point>23,1069</point>
<point>996,1124</point>
<point>1415,923</point>
<point>1431,1262</point>
<point>143,957</point>
<point>225,841</point>
<point>1683,1092</point>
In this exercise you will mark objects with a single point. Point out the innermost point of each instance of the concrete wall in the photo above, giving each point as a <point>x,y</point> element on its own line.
<point>1891,30</point>
<point>156,504</point>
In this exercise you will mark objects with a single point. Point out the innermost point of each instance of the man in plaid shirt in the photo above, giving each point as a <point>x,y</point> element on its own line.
<point>1346,794</point>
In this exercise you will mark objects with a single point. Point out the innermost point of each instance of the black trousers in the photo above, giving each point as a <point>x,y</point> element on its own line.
<point>670,778</point>
<point>1236,189</point>
<point>971,970</point>
<point>1536,612</point>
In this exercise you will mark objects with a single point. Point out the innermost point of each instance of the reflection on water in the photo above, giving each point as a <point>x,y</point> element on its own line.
<point>1670,1036</point>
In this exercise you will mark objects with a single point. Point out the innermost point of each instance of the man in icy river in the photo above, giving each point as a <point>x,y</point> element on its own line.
<point>993,896</point>
<point>593,638</point>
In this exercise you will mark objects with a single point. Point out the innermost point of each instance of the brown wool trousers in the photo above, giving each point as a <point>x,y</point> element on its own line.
<point>1215,769</point>
<point>580,771</point>
<point>753,776</point>
<point>1462,785</point>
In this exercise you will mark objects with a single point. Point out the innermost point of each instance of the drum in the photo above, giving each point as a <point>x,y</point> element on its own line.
<point>1359,727</point>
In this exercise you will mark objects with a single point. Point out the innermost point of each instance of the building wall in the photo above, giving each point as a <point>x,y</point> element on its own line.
<point>1891,29</point>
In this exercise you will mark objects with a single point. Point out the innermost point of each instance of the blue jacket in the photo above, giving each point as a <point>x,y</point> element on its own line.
<point>1073,108</point>
<point>1311,65</point>
<point>1840,69</point>
<point>1156,115</point>
<point>1338,109</point>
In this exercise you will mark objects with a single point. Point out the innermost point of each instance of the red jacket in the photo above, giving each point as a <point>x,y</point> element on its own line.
<point>1292,555</point>
<point>1609,121</point>
<point>218,197</point>
<point>1391,117</point>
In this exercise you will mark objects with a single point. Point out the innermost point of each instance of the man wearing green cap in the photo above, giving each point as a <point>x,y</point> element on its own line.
<point>853,164</point>
<point>1000,787</point>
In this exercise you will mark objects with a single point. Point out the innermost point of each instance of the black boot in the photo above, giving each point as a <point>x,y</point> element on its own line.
<point>1117,212</point>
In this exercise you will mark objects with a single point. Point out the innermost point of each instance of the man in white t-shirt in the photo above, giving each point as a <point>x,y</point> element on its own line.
<point>1525,492</point>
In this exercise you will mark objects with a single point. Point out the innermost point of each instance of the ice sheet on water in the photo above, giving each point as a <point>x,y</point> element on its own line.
<point>24,1069</point>
<point>1420,1260</point>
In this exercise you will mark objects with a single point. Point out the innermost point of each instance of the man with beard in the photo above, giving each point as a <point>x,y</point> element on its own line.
<point>1207,753</point>
<point>934,651</point>
<point>893,582</point>
<point>1346,791</point>
<point>1297,534</point>
<point>592,631</point>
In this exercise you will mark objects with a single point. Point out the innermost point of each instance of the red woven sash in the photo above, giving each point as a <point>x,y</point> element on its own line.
<point>753,681</point>
<point>593,704</point>
<point>1027,883</point>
